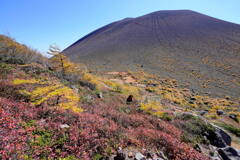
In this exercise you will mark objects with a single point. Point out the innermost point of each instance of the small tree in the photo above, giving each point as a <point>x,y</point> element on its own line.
<point>62,64</point>
<point>59,61</point>
<point>54,50</point>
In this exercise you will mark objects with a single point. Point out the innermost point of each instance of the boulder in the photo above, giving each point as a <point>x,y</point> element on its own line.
<point>193,99</point>
<point>64,126</point>
<point>220,112</point>
<point>216,135</point>
<point>153,156</point>
<point>234,117</point>
<point>129,99</point>
<point>100,95</point>
<point>212,152</point>
<point>229,153</point>
<point>202,113</point>
<point>220,138</point>
<point>139,156</point>
<point>74,88</point>
<point>130,154</point>
<point>162,155</point>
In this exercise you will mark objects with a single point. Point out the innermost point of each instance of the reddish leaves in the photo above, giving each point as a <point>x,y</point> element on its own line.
<point>12,136</point>
<point>27,130</point>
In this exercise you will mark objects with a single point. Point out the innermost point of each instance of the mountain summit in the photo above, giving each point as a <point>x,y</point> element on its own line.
<point>201,52</point>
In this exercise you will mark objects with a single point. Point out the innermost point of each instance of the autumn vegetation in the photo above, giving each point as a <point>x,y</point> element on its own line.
<point>16,53</point>
<point>51,109</point>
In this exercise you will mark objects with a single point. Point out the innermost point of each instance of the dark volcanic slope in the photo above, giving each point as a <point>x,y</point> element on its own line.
<point>197,50</point>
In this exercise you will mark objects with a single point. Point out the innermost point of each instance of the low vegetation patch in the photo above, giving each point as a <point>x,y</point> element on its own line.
<point>15,53</point>
<point>234,130</point>
<point>55,94</point>
<point>194,128</point>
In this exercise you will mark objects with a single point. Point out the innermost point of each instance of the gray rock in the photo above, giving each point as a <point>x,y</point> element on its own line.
<point>162,155</point>
<point>191,102</point>
<point>100,95</point>
<point>234,117</point>
<point>198,147</point>
<point>88,98</point>
<point>64,126</point>
<point>42,121</point>
<point>220,112</point>
<point>229,153</point>
<point>139,156</point>
<point>153,156</point>
<point>202,113</point>
<point>216,158</point>
<point>193,99</point>
<point>220,138</point>
<point>213,153</point>
<point>74,88</point>
<point>130,154</point>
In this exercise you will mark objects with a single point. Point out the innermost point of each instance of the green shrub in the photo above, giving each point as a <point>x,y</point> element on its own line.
<point>230,128</point>
<point>5,69</point>
<point>166,117</point>
<point>124,109</point>
<point>194,128</point>
<point>44,138</point>
<point>117,89</point>
<point>13,52</point>
<point>30,123</point>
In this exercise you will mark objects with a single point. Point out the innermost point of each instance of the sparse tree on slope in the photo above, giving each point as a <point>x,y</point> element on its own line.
<point>62,64</point>
<point>59,61</point>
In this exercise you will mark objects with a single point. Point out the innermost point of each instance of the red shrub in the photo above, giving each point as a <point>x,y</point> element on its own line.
<point>172,146</point>
<point>88,133</point>
<point>143,130</point>
<point>12,136</point>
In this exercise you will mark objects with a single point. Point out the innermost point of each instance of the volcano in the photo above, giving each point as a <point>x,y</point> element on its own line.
<point>199,51</point>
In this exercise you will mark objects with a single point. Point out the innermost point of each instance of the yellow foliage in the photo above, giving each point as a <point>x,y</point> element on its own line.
<point>24,92</point>
<point>11,48</point>
<point>214,108</point>
<point>175,97</point>
<point>224,102</point>
<point>73,100</point>
<point>193,105</point>
<point>152,107</point>
<point>40,91</point>
<point>26,81</point>
<point>71,97</point>
<point>11,43</point>
<point>111,84</point>
<point>90,78</point>
<point>61,63</point>
<point>123,88</point>
<point>151,89</point>
<point>235,113</point>
<point>212,116</point>
<point>42,94</point>
<point>128,89</point>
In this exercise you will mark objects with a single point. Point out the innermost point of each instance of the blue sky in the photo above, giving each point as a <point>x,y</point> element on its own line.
<point>39,23</point>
